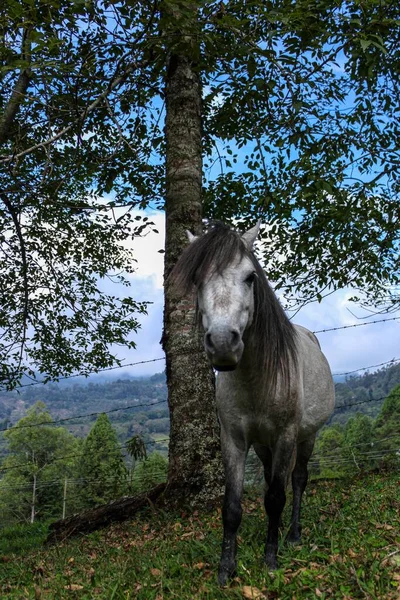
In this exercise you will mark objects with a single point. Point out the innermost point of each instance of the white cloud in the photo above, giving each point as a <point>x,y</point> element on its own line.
<point>345,349</point>
<point>150,262</point>
<point>355,347</point>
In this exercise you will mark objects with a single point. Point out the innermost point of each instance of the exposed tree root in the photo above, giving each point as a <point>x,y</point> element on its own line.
<point>101,516</point>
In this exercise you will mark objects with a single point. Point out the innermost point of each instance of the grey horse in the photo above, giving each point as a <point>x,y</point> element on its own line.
<point>274,388</point>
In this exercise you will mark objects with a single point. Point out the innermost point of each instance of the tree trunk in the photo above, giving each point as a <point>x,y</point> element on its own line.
<point>195,470</point>
<point>33,512</point>
<point>102,516</point>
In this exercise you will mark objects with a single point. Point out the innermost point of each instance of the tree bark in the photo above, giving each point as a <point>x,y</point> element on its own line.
<point>195,469</point>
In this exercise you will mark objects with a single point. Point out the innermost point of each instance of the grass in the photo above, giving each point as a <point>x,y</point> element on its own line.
<point>20,539</point>
<point>350,550</point>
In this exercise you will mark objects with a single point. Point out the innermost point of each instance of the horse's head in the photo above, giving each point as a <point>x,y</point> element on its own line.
<point>225,294</point>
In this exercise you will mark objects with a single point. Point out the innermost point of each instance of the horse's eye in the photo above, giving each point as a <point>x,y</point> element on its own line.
<point>250,278</point>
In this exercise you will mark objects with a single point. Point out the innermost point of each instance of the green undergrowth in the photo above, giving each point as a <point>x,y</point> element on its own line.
<point>20,539</point>
<point>350,550</point>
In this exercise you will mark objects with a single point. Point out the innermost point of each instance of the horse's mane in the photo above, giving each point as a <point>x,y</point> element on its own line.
<point>274,335</point>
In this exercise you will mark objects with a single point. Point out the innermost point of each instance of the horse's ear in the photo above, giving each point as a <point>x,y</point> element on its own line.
<point>191,237</point>
<point>251,235</point>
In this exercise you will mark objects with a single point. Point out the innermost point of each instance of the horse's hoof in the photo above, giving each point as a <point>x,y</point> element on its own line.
<point>224,576</point>
<point>293,537</point>
<point>226,571</point>
<point>271,562</point>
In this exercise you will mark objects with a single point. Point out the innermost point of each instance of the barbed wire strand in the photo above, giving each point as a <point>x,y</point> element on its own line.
<point>387,362</point>
<point>142,362</point>
<point>371,443</point>
<point>93,414</point>
<point>356,325</point>
<point>330,458</point>
<point>75,481</point>
<point>133,406</point>
<point>79,454</point>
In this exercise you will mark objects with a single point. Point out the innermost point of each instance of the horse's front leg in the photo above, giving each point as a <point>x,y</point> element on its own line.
<point>234,456</point>
<point>275,497</point>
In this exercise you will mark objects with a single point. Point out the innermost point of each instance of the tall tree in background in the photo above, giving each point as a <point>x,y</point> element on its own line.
<point>101,469</point>
<point>300,127</point>
<point>358,439</point>
<point>40,457</point>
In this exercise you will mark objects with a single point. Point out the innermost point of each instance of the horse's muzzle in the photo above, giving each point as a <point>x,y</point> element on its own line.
<point>224,347</point>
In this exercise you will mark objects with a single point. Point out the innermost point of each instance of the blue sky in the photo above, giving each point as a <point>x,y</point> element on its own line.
<point>346,350</point>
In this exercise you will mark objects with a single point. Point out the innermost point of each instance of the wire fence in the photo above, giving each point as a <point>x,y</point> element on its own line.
<point>157,403</point>
<point>79,454</point>
<point>68,489</point>
<point>152,360</point>
<point>88,415</point>
<point>338,459</point>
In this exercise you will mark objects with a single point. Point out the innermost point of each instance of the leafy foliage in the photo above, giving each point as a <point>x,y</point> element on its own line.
<point>300,115</point>
<point>304,100</point>
<point>59,238</point>
<point>362,444</point>
<point>39,459</point>
<point>150,472</point>
<point>101,466</point>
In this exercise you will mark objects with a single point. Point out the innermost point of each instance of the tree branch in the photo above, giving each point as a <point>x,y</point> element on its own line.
<point>25,310</point>
<point>112,85</point>
<point>18,93</point>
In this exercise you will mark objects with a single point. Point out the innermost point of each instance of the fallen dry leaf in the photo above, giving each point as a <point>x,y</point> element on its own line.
<point>252,593</point>
<point>384,526</point>
<point>73,587</point>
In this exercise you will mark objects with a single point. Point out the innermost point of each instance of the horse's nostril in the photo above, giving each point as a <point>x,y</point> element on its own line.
<point>235,337</point>
<point>209,343</point>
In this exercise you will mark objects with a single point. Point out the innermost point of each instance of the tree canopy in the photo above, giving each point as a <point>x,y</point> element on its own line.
<point>101,466</point>
<point>300,128</point>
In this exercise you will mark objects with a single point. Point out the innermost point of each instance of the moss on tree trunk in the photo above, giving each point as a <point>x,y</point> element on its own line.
<point>195,469</point>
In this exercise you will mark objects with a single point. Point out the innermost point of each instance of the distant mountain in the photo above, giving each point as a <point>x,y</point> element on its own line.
<point>135,397</point>
<point>338,378</point>
<point>364,393</point>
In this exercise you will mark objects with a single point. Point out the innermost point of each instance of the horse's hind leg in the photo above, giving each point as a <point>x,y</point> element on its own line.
<point>234,462</point>
<point>299,482</point>
<point>275,497</point>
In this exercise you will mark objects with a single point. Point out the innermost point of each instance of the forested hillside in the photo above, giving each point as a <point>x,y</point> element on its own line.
<point>133,396</point>
<point>364,393</point>
<point>144,411</point>
<point>358,394</point>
